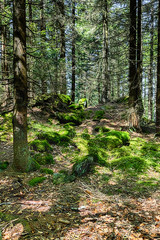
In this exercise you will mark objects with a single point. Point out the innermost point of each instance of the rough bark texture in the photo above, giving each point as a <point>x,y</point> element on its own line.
<point>20,146</point>
<point>158,77</point>
<point>150,77</point>
<point>105,75</point>
<point>135,104</point>
<point>73,53</point>
<point>63,86</point>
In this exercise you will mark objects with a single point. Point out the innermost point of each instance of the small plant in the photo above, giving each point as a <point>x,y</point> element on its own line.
<point>36,180</point>
<point>46,170</point>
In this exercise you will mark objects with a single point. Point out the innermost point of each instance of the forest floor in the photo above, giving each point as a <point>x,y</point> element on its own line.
<point>108,203</point>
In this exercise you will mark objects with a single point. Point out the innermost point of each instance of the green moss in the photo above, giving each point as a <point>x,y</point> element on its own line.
<point>40,145</point>
<point>123,136</point>
<point>46,170</point>
<point>7,217</point>
<point>44,158</point>
<point>35,181</point>
<point>98,115</point>
<point>151,147</point>
<point>130,164</point>
<point>51,137</point>
<point>75,118</point>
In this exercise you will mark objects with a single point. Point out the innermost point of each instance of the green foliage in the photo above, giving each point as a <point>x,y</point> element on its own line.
<point>83,102</point>
<point>46,170</point>
<point>85,136</point>
<point>35,181</point>
<point>3,165</point>
<point>75,106</point>
<point>44,158</point>
<point>40,145</point>
<point>98,115</point>
<point>65,98</point>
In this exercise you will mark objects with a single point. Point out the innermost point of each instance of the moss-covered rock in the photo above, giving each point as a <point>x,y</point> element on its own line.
<point>123,136</point>
<point>40,145</point>
<point>101,129</point>
<point>35,181</point>
<point>75,106</point>
<point>46,170</point>
<point>62,177</point>
<point>73,117</point>
<point>44,158</point>
<point>33,165</point>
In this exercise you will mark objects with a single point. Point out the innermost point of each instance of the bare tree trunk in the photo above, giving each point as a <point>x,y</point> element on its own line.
<point>63,50</point>
<point>158,77</point>
<point>73,54</point>
<point>134,117</point>
<point>105,74</point>
<point>150,77</point>
<point>20,145</point>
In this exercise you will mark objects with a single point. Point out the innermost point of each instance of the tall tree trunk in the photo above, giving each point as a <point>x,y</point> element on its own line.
<point>4,60</point>
<point>139,61</point>
<point>150,77</point>
<point>158,77</point>
<point>105,75</point>
<point>63,50</point>
<point>20,146</point>
<point>134,84</point>
<point>73,53</point>
<point>43,37</point>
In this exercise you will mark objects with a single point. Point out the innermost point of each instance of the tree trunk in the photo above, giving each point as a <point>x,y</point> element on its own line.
<point>73,54</point>
<point>150,77</point>
<point>105,75</point>
<point>158,77</point>
<point>20,145</point>
<point>63,50</point>
<point>134,118</point>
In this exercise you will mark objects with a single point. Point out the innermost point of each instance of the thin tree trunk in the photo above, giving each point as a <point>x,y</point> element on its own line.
<point>105,75</point>
<point>158,77</point>
<point>20,145</point>
<point>150,77</point>
<point>63,50</point>
<point>73,54</point>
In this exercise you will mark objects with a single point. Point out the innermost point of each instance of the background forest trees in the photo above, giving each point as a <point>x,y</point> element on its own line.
<point>83,48</point>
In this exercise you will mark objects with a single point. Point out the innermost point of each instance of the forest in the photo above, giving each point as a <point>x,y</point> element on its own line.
<point>79,119</point>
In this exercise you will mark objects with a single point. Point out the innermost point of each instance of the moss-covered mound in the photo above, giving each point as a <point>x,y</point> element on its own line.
<point>40,145</point>
<point>46,171</point>
<point>75,118</point>
<point>55,102</point>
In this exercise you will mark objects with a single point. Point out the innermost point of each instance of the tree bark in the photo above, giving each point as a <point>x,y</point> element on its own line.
<point>73,54</point>
<point>20,145</point>
<point>158,77</point>
<point>150,77</point>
